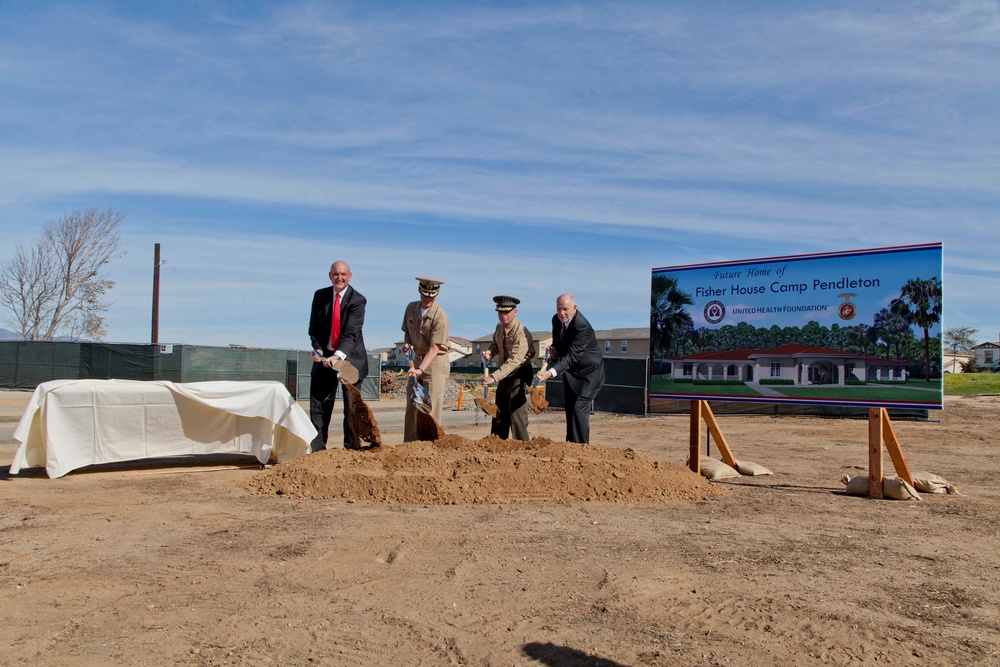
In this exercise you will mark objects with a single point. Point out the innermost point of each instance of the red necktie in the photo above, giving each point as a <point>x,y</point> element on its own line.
<point>335,324</point>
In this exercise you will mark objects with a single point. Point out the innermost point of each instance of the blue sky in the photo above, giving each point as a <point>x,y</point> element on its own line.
<point>506,148</point>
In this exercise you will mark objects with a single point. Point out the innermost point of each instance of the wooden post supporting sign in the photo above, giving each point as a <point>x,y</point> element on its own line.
<point>700,410</point>
<point>694,454</point>
<point>895,451</point>
<point>875,452</point>
<point>880,430</point>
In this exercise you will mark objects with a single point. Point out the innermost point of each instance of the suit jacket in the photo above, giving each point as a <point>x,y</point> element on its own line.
<point>352,318</point>
<point>578,358</point>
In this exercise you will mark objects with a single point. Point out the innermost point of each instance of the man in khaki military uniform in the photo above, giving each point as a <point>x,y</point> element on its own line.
<point>513,349</point>
<point>425,331</point>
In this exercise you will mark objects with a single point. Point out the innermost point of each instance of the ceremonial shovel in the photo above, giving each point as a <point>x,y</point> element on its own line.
<point>418,392</point>
<point>538,402</point>
<point>484,403</point>
<point>348,373</point>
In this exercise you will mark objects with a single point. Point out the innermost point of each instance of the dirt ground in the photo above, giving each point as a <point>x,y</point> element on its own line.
<point>220,563</point>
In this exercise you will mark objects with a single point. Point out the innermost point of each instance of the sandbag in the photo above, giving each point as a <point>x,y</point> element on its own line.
<point>857,485</point>
<point>927,482</point>
<point>715,469</point>
<point>751,469</point>
<point>898,489</point>
<point>893,488</point>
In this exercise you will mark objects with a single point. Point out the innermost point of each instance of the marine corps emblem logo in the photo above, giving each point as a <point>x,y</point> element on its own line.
<point>847,310</point>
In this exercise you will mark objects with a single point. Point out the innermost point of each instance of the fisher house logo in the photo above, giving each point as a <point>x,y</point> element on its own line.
<point>847,310</point>
<point>715,312</point>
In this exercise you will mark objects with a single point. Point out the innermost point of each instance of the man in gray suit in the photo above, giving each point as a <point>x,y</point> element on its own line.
<point>575,356</point>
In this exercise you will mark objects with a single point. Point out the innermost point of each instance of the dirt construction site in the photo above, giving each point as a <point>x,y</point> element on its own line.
<point>471,550</point>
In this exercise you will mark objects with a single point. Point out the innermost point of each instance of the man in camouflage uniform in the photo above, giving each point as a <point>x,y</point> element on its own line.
<point>513,349</point>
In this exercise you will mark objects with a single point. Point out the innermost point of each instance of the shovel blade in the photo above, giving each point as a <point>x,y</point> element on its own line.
<point>348,373</point>
<point>421,397</point>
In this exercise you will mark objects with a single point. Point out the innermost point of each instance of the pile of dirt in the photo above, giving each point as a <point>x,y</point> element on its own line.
<point>458,471</point>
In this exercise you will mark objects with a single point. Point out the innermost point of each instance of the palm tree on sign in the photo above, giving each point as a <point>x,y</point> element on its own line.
<point>667,316</point>
<point>919,303</point>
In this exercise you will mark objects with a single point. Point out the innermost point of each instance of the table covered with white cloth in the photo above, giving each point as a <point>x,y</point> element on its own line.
<point>69,424</point>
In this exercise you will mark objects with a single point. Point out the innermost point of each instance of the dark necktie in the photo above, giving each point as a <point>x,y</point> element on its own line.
<point>335,324</point>
<point>562,336</point>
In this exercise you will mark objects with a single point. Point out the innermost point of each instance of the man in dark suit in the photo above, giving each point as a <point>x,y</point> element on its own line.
<point>335,321</point>
<point>575,356</point>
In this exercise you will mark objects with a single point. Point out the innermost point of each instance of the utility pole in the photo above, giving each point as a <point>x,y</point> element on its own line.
<point>155,338</point>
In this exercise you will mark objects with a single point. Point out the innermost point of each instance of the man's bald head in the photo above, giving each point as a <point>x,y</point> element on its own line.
<point>565,308</point>
<point>340,275</point>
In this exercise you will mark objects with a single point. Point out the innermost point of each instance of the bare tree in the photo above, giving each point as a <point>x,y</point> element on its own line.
<point>59,284</point>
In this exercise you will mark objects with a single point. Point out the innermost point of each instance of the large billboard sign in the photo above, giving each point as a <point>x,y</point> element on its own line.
<point>856,328</point>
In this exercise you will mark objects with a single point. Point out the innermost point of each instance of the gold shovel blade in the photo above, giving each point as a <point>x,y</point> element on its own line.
<point>348,373</point>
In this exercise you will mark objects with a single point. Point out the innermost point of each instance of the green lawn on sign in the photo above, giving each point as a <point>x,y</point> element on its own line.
<point>971,384</point>
<point>664,384</point>
<point>914,391</point>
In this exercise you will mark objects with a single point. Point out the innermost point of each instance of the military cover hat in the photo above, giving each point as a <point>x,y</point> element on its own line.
<point>505,304</point>
<point>429,286</point>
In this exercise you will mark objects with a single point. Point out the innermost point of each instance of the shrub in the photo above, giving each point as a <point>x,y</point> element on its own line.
<point>971,366</point>
<point>718,382</point>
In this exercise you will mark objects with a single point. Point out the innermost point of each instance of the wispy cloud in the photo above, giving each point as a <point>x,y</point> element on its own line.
<point>502,142</point>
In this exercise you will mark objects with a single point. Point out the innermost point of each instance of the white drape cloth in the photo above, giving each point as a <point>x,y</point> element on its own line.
<point>70,424</point>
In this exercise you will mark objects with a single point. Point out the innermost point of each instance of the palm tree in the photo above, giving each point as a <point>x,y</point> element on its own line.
<point>893,329</point>
<point>667,316</point>
<point>919,303</point>
<point>858,337</point>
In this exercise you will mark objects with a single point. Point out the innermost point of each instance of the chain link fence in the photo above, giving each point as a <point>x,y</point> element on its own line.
<point>26,364</point>
<point>370,387</point>
<point>624,390</point>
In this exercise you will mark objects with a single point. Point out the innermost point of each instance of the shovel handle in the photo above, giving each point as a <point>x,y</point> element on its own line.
<point>545,367</point>
<point>486,374</point>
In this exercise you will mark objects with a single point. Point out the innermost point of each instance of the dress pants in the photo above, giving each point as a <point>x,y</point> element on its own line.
<point>513,406</point>
<point>434,380</point>
<point>323,386</point>
<point>578,409</point>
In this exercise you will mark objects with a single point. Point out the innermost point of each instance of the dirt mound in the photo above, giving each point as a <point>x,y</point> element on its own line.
<point>458,471</point>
